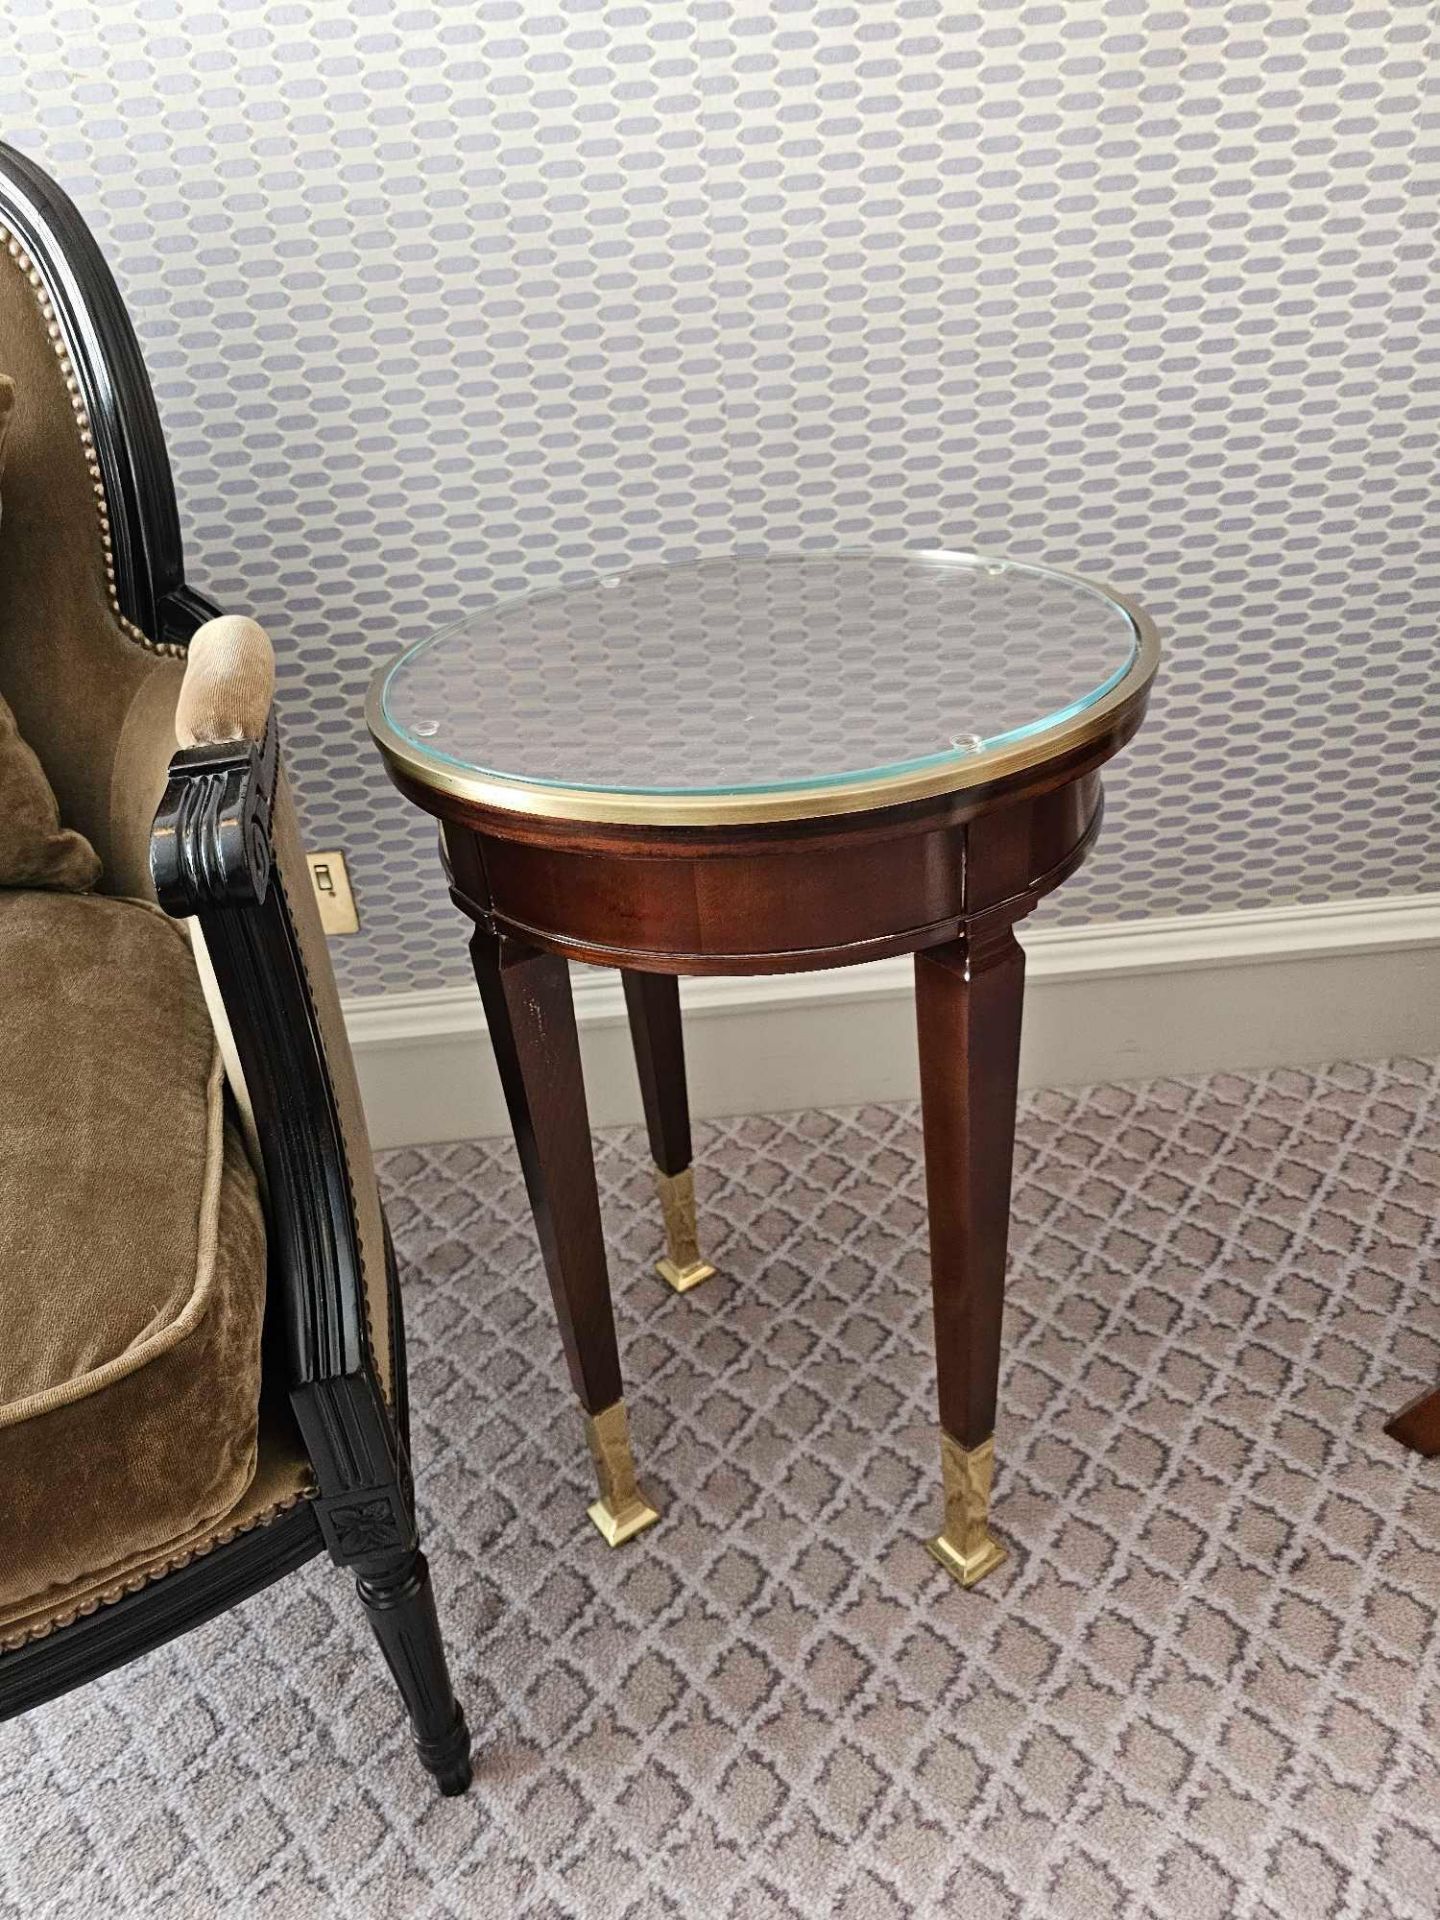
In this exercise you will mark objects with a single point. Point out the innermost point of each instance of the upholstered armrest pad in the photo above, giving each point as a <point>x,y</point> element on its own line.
<point>229,683</point>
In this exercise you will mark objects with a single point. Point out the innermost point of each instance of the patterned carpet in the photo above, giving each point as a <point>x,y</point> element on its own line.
<point>1205,1685</point>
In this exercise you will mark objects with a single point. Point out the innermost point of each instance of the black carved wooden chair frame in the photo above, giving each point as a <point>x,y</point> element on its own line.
<point>211,857</point>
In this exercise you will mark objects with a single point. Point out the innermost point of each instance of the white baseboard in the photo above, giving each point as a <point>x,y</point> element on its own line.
<point>1278,987</point>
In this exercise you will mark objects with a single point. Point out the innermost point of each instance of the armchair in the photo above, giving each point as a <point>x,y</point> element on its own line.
<point>109,661</point>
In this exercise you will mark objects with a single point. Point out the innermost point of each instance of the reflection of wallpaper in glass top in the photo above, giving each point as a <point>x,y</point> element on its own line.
<point>760,672</point>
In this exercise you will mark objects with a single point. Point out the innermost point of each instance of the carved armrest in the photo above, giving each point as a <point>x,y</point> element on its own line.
<point>213,857</point>
<point>210,843</point>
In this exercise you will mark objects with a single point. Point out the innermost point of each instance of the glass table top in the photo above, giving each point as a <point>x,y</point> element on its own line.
<point>746,687</point>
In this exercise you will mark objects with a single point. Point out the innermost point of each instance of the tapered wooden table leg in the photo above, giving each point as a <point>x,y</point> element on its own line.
<point>531,1016</point>
<point>968,997</point>
<point>652,1001</point>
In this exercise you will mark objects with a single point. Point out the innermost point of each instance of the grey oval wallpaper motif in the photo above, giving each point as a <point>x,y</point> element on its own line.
<point>447,300</point>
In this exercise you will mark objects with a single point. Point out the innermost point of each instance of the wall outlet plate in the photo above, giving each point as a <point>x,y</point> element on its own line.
<point>330,878</point>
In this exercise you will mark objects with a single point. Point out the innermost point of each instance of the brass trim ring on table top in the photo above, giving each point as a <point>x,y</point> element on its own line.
<point>751,806</point>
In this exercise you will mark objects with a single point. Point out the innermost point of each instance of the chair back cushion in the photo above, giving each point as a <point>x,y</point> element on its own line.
<point>34,851</point>
<point>86,688</point>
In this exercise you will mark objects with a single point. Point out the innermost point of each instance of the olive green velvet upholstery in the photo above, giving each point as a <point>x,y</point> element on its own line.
<point>133,1258</point>
<point>132,1244</point>
<point>98,702</point>
<point>35,851</point>
<point>282,1479</point>
<point>95,704</point>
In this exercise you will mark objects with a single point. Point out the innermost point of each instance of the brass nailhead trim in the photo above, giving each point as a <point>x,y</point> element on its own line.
<point>147,1576</point>
<point>87,442</point>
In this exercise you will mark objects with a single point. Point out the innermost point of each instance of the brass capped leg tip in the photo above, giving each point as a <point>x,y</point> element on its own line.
<point>622,1510</point>
<point>967,1568</point>
<point>682,1268</point>
<point>682,1279</point>
<point>965,1546</point>
<point>619,1524</point>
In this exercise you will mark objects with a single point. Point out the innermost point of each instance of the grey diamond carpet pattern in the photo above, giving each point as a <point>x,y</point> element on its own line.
<point>1206,1684</point>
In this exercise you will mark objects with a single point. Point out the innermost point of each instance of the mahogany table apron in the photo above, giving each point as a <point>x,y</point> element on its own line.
<point>945,876</point>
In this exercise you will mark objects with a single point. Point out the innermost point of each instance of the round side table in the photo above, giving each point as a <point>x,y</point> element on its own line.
<point>764,765</point>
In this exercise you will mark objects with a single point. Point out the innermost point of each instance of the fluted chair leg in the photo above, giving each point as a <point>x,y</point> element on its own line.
<point>401,1606</point>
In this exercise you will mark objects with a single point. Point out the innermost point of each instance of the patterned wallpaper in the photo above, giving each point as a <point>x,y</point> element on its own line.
<point>441,300</point>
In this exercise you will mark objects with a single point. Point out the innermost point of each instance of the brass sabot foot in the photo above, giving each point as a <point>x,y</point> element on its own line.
<point>682,1266</point>
<point>965,1547</point>
<point>622,1510</point>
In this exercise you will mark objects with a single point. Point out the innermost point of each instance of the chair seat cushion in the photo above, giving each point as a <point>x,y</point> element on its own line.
<point>132,1251</point>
